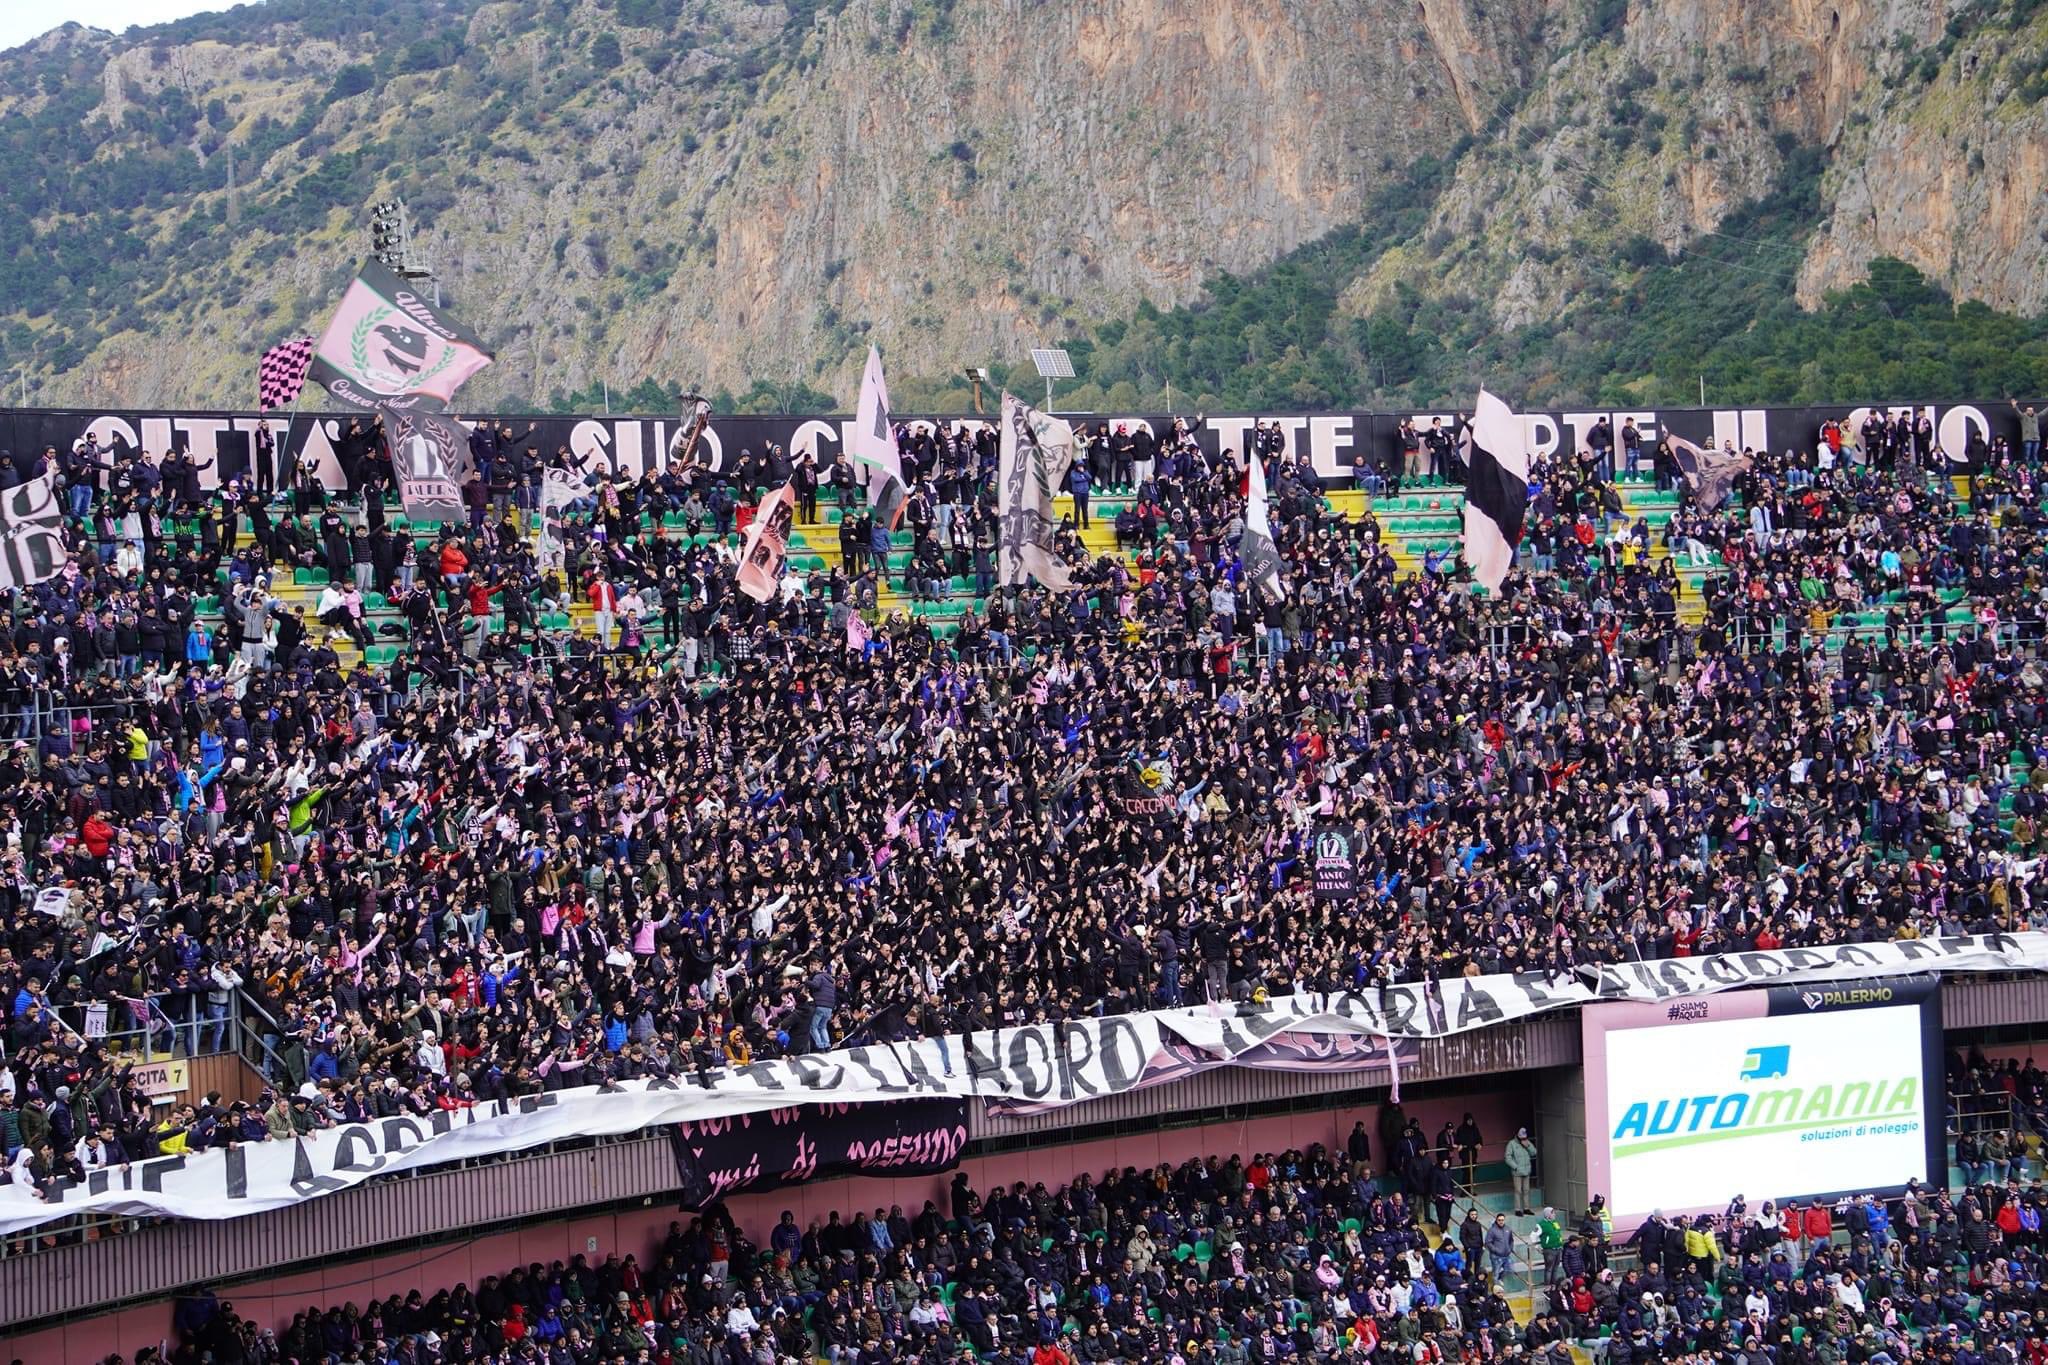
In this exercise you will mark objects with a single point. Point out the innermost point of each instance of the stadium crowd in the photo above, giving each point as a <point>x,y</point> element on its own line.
<point>728,829</point>
<point>1298,1255</point>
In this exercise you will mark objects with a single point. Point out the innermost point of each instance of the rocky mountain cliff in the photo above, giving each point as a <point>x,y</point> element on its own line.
<point>713,193</point>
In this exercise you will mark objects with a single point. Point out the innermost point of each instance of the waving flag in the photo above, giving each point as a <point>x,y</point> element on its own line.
<point>31,533</point>
<point>1496,455</point>
<point>426,453</point>
<point>874,445</point>
<point>1710,473</point>
<point>1256,548</point>
<point>281,374</point>
<point>767,537</point>
<point>1036,451</point>
<point>387,347</point>
<point>559,488</point>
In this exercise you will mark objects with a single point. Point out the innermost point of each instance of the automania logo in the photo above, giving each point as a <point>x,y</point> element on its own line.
<point>1758,1107</point>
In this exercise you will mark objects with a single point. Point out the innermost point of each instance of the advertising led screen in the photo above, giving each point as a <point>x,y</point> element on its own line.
<point>1786,1093</point>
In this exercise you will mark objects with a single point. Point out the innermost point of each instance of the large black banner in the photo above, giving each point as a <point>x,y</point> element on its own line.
<point>1338,443</point>
<point>766,1151</point>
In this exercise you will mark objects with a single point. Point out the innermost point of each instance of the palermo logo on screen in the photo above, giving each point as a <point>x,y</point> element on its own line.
<point>1769,1097</point>
<point>1861,995</point>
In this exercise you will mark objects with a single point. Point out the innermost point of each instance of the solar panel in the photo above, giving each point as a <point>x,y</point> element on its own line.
<point>1053,364</point>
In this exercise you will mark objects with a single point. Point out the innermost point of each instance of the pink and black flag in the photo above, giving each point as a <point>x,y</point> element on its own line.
<point>281,374</point>
<point>1496,489</point>
<point>387,347</point>
<point>767,538</point>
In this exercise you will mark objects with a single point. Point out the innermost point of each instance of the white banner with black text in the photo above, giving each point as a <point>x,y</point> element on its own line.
<point>1038,1066</point>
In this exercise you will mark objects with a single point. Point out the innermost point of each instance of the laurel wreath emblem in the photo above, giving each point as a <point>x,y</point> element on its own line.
<point>359,353</point>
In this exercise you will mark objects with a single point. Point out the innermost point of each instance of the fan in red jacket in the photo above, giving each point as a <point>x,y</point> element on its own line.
<point>98,835</point>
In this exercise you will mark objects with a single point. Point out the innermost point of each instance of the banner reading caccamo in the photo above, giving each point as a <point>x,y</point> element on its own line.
<point>720,1157</point>
<point>1038,1064</point>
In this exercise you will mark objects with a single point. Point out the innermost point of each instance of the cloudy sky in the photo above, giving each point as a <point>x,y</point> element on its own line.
<point>21,20</point>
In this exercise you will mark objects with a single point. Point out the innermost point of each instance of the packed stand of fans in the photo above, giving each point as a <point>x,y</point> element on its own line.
<point>610,859</point>
<point>1300,1255</point>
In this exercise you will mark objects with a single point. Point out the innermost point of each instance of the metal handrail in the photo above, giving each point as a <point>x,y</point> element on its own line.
<point>268,1061</point>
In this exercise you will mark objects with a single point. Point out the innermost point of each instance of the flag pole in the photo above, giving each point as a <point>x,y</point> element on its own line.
<point>289,466</point>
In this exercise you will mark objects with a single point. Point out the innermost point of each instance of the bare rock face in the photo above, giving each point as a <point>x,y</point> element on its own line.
<point>749,195</point>
<point>1088,156</point>
<point>1660,130</point>
<point>1954,182</point>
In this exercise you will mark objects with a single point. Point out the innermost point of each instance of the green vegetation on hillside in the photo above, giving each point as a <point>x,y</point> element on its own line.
<point>81,225</point>
<point>1643,328</point>
<point>652,396</point>
<point>115,225</point>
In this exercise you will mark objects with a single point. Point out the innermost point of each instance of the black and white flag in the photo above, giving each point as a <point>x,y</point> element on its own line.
<point>31,533</point>
<point>874,445</point>
<point>1496,452</point>
<point>1708,472</point>
<point>427,454</point>
<point>558,489</point>
<point>1261,558</point>
<point>1035,452</point>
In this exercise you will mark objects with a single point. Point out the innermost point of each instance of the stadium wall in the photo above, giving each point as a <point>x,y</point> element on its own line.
<point>1336,442</point>
<point>66,1283</point>
<point>272,1300</point>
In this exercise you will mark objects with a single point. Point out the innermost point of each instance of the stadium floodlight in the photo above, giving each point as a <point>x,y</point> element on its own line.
<point>1052,364</point>
<point>387,232</point>
<point>391,242</point>
<point>977,376</point>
